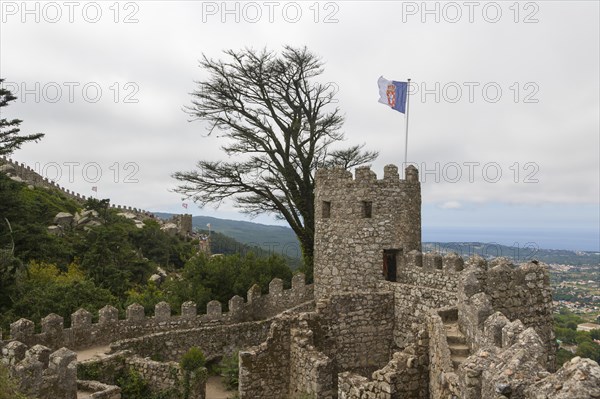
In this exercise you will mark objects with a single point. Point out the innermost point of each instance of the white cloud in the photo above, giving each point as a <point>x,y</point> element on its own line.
<point>554,61</point>
<point>451,205</point>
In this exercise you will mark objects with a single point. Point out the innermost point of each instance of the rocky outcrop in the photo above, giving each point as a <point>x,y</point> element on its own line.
<point>83,220</point>
<point>578,378</point>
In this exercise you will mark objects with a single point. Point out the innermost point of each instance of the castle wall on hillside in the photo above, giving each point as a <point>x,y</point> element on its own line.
<point>184,223</point>
<point>83,333</point>
<point>30,176</point>
<point>505,313</point>
<point>383,320</point>
<point>363,227</point>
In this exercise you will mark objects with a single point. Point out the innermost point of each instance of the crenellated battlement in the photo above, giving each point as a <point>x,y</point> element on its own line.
<point>364,175</point>
<point>500,277</point>
<point>22,172</point>
<point>41,370</point>
<point>504,316</point>
<point>431,270</point>
<point>518,292</point>
<point>84,333</point>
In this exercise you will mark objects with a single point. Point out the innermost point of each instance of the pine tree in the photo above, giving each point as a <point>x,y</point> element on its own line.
<point>10,140</point>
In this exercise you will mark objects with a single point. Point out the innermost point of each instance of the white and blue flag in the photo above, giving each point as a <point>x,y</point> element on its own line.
<point>393,93</point>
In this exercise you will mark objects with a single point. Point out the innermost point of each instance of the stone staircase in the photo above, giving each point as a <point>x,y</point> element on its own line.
<point>459,350</point>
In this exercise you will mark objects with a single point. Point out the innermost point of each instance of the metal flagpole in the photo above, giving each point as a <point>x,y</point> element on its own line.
<point>406,125</point>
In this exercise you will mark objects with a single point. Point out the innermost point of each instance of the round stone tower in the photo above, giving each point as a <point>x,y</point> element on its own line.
<point>363,227</point>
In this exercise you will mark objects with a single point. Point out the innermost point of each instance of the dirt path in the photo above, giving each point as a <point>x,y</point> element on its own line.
<point>92,352</point>
<point>97,351</point>
<point>83,395</point>
<point>216,390</point>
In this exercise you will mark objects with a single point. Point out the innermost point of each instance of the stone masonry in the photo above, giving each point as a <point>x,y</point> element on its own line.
<point>382,321</point>
<point>391,322</point>
<point>356,220</point>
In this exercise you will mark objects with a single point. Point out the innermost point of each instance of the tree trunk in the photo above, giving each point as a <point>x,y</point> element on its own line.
<point>307,246</point>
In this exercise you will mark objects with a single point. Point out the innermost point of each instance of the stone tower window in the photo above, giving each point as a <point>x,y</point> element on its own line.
<point>367,209</point>
<point>326,210</point>
<point>390,263</point>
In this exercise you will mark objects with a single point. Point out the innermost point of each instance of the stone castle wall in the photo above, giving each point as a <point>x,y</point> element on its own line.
<point>356,220</point>
<point>404,377</point>
<point>40,371</point>
<point>83,333</point>
<point>442,376</point>
<point>164,378</point>
<point>355,330</point>
<point>367,336</point>
<point>310,369</point>
<point>505,313</point>
<point>304,354</point>
<point>424,282</point>
<point>30,176</point>
<point>215,342</point>
<point>518,292</point>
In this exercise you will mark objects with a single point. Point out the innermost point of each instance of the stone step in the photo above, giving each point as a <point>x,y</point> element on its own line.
<point>451,327</point>
<point>456,339</point>
<point>461,350</point>
<point>453,334</point>
<point>457,361</point>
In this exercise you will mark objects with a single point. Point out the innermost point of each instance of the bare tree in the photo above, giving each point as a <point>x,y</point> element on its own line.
<point>280,123</point>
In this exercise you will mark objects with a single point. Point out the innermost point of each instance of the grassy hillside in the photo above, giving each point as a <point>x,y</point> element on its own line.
<point>111,260</point>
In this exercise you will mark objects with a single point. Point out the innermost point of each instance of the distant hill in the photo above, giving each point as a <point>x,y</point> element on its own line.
<point>282,240</point>
<point>516,254</point>
<point>278,239</point>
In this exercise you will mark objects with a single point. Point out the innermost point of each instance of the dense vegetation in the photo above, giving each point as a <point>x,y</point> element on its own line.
<point>565,328</point>
<point>206,278</point>
<point>111,263</point>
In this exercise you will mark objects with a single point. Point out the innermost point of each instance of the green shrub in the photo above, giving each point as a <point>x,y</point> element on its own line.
<point>192,363</point>
<point>229,369</point>
<point>192,360</point>
<point>562,356</point>
<point>133,386</point>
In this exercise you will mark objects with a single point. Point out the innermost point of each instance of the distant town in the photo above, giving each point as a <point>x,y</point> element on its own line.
<point>577,288</point>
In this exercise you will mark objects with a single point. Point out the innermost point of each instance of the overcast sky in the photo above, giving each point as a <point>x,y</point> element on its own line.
<point>504,112</point>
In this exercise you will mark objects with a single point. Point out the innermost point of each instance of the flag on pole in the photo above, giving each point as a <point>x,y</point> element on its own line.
<point>396,96</point>
<point>95,188</point>
<point>393,93</point>
<point>184,205</point>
